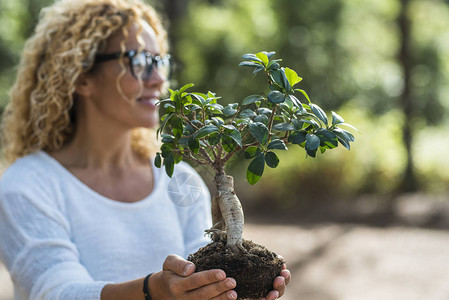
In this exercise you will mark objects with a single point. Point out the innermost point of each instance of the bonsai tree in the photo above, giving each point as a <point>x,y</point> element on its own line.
<point>196,127</point>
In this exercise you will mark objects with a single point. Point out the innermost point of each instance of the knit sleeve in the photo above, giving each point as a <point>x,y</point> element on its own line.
<point>35,243</point>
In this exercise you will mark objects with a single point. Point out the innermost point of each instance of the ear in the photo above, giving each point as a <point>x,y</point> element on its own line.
<point>84,86</point>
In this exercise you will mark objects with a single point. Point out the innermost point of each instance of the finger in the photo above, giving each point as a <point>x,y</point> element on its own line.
<point>279,285</point>
<point>178,265</point>
<point>229,295</point>
<point>287,275</point>
<point>273,295</point>
<point>217,289</point>
<point>200,279</point>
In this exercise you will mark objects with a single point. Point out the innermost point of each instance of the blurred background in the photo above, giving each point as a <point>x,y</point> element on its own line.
<point>370,223</point>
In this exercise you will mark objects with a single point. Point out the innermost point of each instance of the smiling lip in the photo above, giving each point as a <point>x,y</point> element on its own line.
<point>149,100</point>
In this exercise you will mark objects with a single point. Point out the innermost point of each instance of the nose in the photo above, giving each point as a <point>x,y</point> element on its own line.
<point>157,78</point>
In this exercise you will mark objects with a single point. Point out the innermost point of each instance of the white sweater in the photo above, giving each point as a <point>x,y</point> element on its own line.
<point>60,239</point>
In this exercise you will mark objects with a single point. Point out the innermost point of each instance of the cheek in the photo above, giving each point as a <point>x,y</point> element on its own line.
<point>131,87</point>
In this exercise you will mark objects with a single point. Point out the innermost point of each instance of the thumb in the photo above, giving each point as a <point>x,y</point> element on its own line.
<point>178,265</point>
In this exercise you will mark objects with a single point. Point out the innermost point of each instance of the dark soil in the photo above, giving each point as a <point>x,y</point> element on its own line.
<point>254,270</point>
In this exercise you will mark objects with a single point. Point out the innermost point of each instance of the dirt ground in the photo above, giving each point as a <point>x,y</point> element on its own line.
<point>351,262</point>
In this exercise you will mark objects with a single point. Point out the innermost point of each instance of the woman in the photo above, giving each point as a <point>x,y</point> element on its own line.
<point>83,213</point>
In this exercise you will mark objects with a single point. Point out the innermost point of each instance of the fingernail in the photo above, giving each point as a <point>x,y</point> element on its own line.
<point>188,268</point>
<point>232,295</point>
<point>221,276</point>
<point>230,283</point>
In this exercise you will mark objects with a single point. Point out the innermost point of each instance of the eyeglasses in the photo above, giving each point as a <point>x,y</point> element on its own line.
<point>141,63</point>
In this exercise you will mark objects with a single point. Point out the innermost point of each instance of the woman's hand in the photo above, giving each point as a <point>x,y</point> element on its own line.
<point>178,281</point>
<point>279,284</point>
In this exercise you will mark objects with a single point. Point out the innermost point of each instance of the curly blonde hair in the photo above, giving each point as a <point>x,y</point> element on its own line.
<point>67,38</point>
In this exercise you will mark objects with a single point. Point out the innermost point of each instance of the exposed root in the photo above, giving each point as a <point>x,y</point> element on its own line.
<point>215,231</point>
<point>237,248</point>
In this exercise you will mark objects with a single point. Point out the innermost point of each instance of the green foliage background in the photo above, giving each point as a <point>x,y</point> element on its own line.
<point>347,52</point>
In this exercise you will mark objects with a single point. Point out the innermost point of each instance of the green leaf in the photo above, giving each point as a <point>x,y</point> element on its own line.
<point>297,137</point>
<point>271,159</point>
<point>197,123</point>
<point>312,142</point>
<point>276,97</point>
<point>292,77</point>
<point>167,138</point>
<point>169,163</point>
<point>249,64</point>
<point>297,124</point>
<point>304,93</point>
<point>311,122</point>
<point>277,144</point>
<point>251,152</point>
<point>200,99</point>
<point>177,157</point>
<point>275,87</point>
<point>264,110</point>
<point>166,118</point>
<point>229,110</point>
<point>177,127</point>
<point>243,121</point>
<point>252,99</point>
<point>184,141</point>
<point>261,119</point>
<point>270,54</point>
<point>215,106</point>
<point>296,102</point>
<point>259,131</point>
<point>285,82</point>
<point>336,119</point>
<point>186,99</point>
<point>263,57</point>
<point>251,56</point>
<point>277,77</point>
<point>272,65</point>
<point>217,121</point>
<point>346,134</point>
<point>257,70</point>
<point>327,138</point>
<point>204,131</point>
<point>194,145</point>
<point>283,127</point>
<point>185,87</point>
<point>343,141</point>
<point>158,160</point>
<point>214,138</point>
<point>228,143</point>
<point>350,126</point>
<point>166,150</point>
<point>255,168</point>
<point>311,152</point>
<point>319,113</point>
<point>233,133</point>
<point>247,113</point>
<point>215,109</point>
<point>189,129</point>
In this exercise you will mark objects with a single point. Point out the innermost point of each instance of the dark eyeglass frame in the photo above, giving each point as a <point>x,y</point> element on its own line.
<point>151,60</point>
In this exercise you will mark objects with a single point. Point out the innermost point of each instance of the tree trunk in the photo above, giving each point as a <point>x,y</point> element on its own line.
<point>227,212</point>
<point>406,102</point>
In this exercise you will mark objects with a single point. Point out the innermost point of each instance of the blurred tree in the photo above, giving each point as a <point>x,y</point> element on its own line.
<point>406,101</point>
